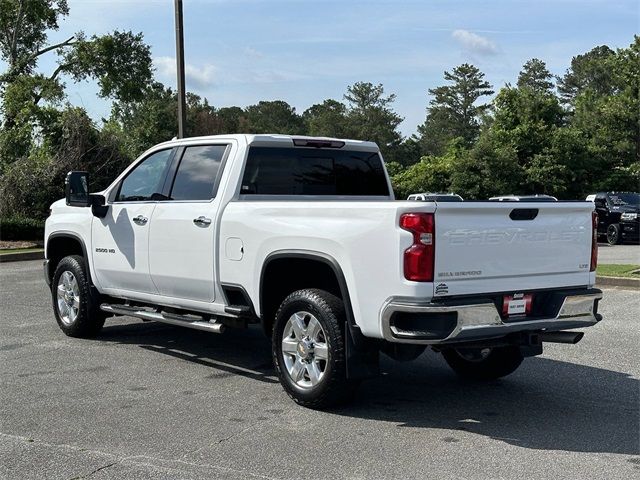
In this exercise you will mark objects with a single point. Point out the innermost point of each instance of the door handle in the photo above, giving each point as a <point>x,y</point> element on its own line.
<point>140,220</point>
<point>202,221</point>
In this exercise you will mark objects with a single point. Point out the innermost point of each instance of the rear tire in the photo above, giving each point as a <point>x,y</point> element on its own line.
<point>614,234</point>
<point>478,364</point>
<point>76,308</point>
<point>309,350</point>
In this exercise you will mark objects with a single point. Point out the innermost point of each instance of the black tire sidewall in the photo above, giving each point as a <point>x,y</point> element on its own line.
<point>616,228</point>
<point>89,321</point>
<point>328,310</point>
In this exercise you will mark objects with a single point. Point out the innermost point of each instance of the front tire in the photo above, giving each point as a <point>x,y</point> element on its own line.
<point>614,235</point>
<point>76,309</point>
<point>309,351</point>
<point>483,363</point>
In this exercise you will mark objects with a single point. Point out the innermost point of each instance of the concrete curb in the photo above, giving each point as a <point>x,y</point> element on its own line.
<point>618,282</point>
<point>22,256</point>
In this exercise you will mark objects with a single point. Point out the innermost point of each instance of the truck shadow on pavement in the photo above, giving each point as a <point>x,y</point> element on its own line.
<point>546,404</point>
<point>236,352</point>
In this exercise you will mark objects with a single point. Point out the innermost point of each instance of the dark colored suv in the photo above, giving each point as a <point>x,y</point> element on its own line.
<point>618,215</point>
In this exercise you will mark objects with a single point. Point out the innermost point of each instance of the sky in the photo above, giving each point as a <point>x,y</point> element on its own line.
<point>239,52</point>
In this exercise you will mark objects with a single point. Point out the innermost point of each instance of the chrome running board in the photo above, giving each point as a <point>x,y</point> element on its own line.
<point>189,321</point>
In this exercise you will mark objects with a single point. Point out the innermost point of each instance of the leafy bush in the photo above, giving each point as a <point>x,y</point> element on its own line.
<point>29,185</point>
<point>21,228</point>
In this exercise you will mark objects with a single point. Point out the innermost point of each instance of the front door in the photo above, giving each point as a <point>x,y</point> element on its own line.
<point>182,233</point>
<point>120,240</point>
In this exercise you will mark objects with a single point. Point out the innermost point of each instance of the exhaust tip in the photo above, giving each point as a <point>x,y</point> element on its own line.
<point>561,337</point>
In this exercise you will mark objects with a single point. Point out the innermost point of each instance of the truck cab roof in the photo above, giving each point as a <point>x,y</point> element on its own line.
<point>277,140</point>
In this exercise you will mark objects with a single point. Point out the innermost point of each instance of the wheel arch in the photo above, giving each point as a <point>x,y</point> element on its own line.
<point>61,244</point>
<point>278,263</point>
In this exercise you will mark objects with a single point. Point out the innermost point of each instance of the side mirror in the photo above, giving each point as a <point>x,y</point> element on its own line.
<point>76,189</point>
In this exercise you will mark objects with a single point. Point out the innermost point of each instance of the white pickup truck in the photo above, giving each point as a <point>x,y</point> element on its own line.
<point>303,236</point>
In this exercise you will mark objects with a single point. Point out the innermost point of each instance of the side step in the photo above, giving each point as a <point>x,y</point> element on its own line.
<point>164,317</point>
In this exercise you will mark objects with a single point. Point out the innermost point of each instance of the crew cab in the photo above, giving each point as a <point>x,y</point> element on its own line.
<point>303,236</point>
<point>617,216</point>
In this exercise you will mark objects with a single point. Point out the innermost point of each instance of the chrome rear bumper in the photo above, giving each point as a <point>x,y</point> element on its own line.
<point>481,320</point>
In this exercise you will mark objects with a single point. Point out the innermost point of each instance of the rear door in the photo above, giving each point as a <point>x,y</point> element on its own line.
<point>493,247</point>
<point>183,228</point>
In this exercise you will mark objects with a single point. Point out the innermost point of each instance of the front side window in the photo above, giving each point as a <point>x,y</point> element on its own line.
<point>198,172</point>
<point>146,180</point>
<point>305,171</point>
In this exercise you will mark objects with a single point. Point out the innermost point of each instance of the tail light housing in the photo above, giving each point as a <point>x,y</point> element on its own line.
<point>594,242</point>
<point>419,257</point>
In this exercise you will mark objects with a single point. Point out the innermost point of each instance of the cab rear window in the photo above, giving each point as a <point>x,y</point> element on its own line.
<point>306,171</point>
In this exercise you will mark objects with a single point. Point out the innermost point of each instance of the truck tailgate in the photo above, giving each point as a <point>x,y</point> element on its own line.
<point>493,247</point>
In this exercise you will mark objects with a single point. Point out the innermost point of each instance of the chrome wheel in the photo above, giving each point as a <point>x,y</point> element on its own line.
<point>304,349</point>
<point>68,298</point>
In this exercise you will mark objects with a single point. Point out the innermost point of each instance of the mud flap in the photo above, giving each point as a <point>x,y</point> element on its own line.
<point>363,355</point>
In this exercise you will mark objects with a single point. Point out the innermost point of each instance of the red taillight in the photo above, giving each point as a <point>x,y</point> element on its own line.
<point>594,242</point>
<point>418,258</point>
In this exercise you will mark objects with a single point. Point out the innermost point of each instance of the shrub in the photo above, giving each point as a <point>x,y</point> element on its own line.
<point>29,185</point>
<point>21,228</point>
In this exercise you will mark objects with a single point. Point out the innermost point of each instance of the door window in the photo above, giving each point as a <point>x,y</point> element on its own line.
<point>146,180</point>
<point>197,175</point>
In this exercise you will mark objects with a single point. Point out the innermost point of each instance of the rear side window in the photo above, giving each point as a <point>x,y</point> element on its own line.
<point>197,173</point>
<point>306,171</point>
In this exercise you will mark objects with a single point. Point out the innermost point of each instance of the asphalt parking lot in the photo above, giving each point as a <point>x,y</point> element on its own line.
<point>146,400</point>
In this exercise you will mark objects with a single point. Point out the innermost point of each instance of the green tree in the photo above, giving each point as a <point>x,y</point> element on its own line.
<point>234,120</point>
<point>30,184</point>
<point>120,62</point>
<point>430,174</point>
<point>273,117</point>
<point>328,119</point>
<point>370,116</point>
<point>564,168</point>
<point>606,112</point>
<point>202,118</point>
<point>142,123</point>
<point>525,119</point>
<point>408,152</point>
<point>453,111</point>
<point>24,24</point>
<point>394,168</point>
<point>535,76</point>
<point>490,168</point>
<point>588,71</point>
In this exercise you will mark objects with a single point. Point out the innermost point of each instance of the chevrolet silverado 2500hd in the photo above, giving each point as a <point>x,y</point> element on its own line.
<point>303,235</point>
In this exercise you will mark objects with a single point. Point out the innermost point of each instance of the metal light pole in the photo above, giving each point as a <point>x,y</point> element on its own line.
<point>182,104</point>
